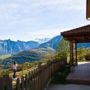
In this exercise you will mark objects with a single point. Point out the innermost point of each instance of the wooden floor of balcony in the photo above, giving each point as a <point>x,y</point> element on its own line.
<point>78,79</point>
<point>80,74</point>
<point>68,87</point>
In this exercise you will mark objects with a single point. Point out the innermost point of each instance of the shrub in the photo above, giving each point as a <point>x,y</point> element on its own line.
<point>60,77</point>
<point>87,57</point>
<point>5,72</point>
<point>81,54</point>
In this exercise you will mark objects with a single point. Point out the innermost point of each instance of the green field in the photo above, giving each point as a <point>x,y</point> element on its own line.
<point>2,57</point>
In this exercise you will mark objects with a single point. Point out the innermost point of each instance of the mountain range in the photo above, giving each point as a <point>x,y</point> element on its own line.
<point>13,47</point>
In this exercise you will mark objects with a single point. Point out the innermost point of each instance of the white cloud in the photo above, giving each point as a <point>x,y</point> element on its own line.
<point>34,15</point>
<point>66,4</point>
<point>16,8</point>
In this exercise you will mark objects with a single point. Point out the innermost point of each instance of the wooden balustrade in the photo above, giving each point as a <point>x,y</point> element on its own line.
<point>34,80</point>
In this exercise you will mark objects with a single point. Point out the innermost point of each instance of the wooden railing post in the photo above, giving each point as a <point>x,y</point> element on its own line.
<point>7,83</point>
<point>1,83</point>
<point>18,84</point>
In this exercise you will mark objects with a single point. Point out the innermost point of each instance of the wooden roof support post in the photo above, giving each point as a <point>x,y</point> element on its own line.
<point>76,61</point>
<point>88,9</point>
<point>71,53</point>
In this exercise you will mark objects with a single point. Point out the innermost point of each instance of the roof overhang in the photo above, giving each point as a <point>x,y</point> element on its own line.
<point>79,35</point>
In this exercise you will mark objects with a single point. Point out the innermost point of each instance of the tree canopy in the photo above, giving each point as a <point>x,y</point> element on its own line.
<point>63,49</point>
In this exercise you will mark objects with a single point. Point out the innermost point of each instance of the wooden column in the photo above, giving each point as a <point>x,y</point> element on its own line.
<point>88,9</point>
<point>76,62</point>
<point>71,53</point>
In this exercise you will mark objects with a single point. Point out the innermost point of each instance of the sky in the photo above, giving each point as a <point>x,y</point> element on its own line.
<point>36,19</point>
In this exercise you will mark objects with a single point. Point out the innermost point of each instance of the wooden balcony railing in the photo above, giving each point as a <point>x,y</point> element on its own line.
<point>34,80</point>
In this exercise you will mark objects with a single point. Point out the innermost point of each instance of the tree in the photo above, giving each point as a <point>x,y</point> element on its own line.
<point>62,50</point>
<point>81,53</point>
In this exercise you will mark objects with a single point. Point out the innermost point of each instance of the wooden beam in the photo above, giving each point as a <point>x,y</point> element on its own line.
<point>88,9</point>
<point>84,38</point>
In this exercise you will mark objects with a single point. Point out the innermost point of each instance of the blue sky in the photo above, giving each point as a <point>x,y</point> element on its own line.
<point>31,19</point>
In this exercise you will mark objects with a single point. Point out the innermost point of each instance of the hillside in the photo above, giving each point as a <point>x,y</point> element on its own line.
<point>53,43</point>
<point>28,56</point>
